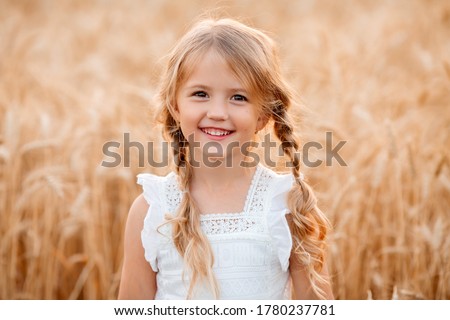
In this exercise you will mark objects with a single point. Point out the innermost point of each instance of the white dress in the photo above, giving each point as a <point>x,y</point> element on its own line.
<point>251,248</point>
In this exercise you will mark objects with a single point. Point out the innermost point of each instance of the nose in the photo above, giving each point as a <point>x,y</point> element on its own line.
<point>218,111</point>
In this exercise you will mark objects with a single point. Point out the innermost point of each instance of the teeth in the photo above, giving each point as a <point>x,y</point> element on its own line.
<point>216,132</point>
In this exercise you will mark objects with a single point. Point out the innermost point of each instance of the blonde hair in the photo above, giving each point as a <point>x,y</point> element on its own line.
<point>252,56</point>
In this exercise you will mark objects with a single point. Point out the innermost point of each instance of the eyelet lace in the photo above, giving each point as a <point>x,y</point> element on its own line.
<point>250,219</point>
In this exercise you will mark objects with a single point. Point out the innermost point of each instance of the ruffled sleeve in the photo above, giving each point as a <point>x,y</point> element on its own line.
<point>277,223</point>
<point>152,190</point>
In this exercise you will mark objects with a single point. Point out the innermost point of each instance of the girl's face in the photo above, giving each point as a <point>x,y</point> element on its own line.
<point>215,111</point>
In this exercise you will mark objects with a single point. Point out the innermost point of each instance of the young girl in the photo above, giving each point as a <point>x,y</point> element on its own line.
<point>218,227</point>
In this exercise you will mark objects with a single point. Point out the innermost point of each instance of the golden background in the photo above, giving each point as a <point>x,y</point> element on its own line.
<point>76,74</point>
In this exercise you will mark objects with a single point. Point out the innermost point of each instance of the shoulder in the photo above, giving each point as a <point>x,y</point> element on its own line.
<point>278,185</point>
<point>154,186</point>
<point>136,215</point>
<point>145,178</point>
<point>139,208</point>
<point>285,177</point>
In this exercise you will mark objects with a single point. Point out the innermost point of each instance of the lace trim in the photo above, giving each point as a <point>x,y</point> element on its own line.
<point>257,204</point>
<point>230,224</point>
<point>172,194</point>
<point>226,223</point>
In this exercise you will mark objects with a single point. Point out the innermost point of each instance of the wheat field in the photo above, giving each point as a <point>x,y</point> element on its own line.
<point>76,74</point>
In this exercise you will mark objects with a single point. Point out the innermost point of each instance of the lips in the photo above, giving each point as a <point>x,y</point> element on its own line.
<point>217,132</point>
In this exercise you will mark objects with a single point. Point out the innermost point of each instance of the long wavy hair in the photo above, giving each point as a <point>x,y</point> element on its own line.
<point>252,56</point>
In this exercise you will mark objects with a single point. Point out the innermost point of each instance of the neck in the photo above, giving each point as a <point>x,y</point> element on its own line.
<point>221,177</point>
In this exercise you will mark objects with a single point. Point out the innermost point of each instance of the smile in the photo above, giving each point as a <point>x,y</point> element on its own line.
<point>216,132</point>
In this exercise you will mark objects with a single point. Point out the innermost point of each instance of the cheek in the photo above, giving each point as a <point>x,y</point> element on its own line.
<point>188,120</point>
<point>188,116</point>
<point>181,108</point>
<point>250,121</point>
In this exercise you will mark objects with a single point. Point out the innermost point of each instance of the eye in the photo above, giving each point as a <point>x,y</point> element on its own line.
<point>239,97</point>
<point>200,94</point>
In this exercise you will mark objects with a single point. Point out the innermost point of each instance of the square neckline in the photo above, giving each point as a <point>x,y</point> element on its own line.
<point>248,200</point>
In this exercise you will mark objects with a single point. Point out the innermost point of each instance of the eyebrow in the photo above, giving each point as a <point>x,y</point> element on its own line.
<point>198,86</point>
<point>204,87</point>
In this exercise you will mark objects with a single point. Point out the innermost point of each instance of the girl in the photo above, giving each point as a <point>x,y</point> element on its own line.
<point>218,227</point>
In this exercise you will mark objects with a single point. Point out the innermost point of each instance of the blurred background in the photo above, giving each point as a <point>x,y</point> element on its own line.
<point>76,74</point>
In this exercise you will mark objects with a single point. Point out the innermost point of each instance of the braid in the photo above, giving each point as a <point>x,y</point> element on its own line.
<point>188,237</point>
<point>309,225</point>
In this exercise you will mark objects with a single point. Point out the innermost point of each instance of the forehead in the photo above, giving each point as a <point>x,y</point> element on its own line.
<point>211,69</point>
